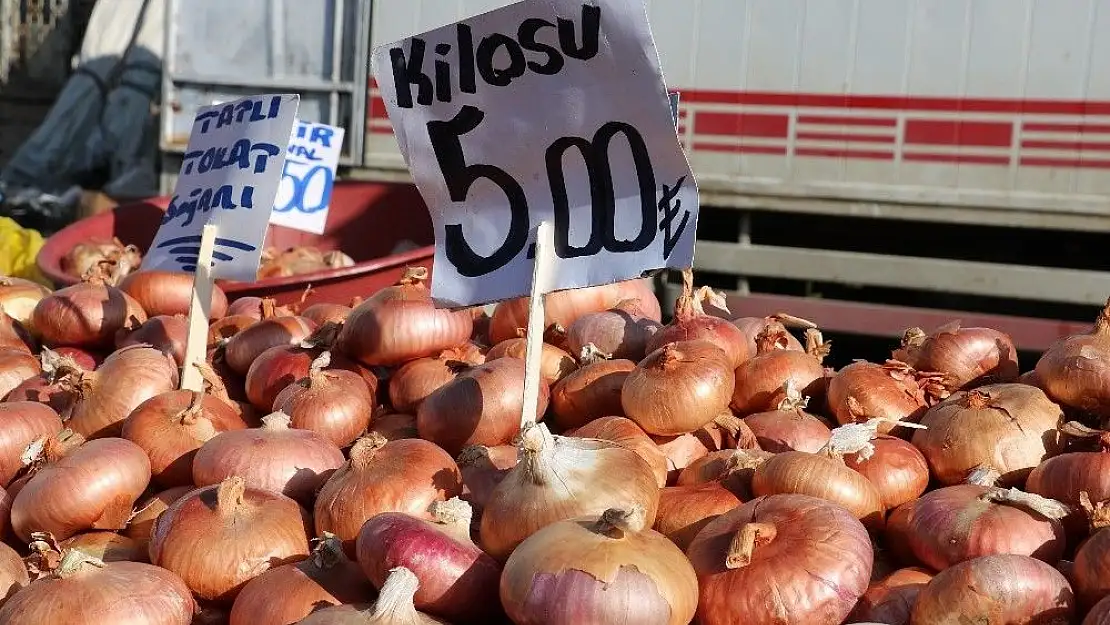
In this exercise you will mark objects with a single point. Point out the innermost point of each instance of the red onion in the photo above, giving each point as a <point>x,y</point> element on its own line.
<point>892,391</point>
<point>458,581</point>
<point>220,537</point>
<point>625,433</point>
<point>482,406</point>
<point>890,600</point>
<point>968,357</point>
<point>169,293</point>
<point>607,568</point>
<point>591,392</point>
<point>127,378</point>
<point>401,323</point>
<point>752,327</point>
<point>678,388</point>
<point>171,427</point>
<point>106,547</point>
<point>691,323</point>
<point>165,333</point>
<point>621,332</point>
<point>789,427</point>
<point>1009,428</point>
<point>1073,371</point>
<point>895,467</point>
<point>399,476</point>
<point>815,556</point>
<point>22,423</point>
<point>412,383</point>
<point>393,607</point>
<point>16,367</point>
<point>685,510</point>
<point>274,457</point>
<point>555,364</point>
<point>335,404</point>
<point>87,314</point>
<point>759,381</point>
<point>18,298</point>
<point>482,470</point>
<point>242,349</point>
<point>1001,588</point>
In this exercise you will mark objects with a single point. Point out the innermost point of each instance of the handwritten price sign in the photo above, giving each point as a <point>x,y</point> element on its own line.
<point>229,178</point>
<point>306,184</point>
<point>542,111</point>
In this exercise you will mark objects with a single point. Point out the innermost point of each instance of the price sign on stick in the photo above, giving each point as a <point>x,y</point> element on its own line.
<point>215,225</point>
<point>305,189</point>
<point>549,111</point>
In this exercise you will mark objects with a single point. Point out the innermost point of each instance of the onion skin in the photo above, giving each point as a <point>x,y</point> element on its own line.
<point>116,592</point>
<point>482,470</point>
<point>822,476</point>
<point>148,510</point>
<point>759,381</point>
<point>1074,370</point>
<point>890,599</point>
<point>218,538</point>
<point>622,332</point>
<point>335,404</point>
<point>968,357</point>
<point>864,390</point>
<point>684,449</point>
<point>1007,427</point>
<point>815,553</point>
<point>165,333</point>
<point>399,476</point>
<point>21,423</point>
<point>563,308</point>
<point>599,569</point>
<point>678,388</point>
<point>401,323</point>
<point>86,315</point>
<point>625,433</point>
<point>224,328</point>
<point>791,429</point>
<point>959,523</point>
<point>555,364</point>
<point>1064,477</point>
<point>999,589</point>
<point>169,293</point>
<point>13,573</point>
<point>896,468</point>
<point>752,327</point>
<point>85,359</point>
<point>92,487</point>
<point>591,392</point>
<point>107,547</point>
<point>108,395</point>
<point>684,510</point>
<point>482,406</point>
<point>243,348</point>
<point>16,367</point>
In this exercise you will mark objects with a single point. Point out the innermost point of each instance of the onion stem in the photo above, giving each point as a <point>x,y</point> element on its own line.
<point>745,541</point>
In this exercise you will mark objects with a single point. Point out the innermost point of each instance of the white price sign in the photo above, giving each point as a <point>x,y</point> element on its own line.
<point>229,178</point>
<point>542,111</point>
<point>310,164</point>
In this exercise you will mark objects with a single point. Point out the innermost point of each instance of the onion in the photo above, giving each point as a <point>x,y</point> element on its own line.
<point>678,388</point>
<point>167,334</point>
<point>555,364</point>
<point>811,558</point>
<point>399,476</point>
<point>84,359</point>
<point>106,547</point>
<point>258,308</point>
<point>789,427</point>
<point>1089,570</point>
<point>274,457</point>
<point>759,381</point>
<point>326,312</point>
<point>591,392</point>
<point>895,467</point>
<point>91,253</point>
<point>13,573</point>
<point>222,329</point>
<point>393,607</point>
<point>278,367</point>
<point>13,335</point>
<point>561,308</point>
<point>482,406</point>
<point>968,357</point>
<point>91,487</point>
<point>22,423</point>
<point>1100,614</point>
<point>290,592</point>
<point>684,449</point>
<point>621,332</point>
<point>169,293</point>
<point>892,391</point>
<point>890,599</point>
<point>560,478</point>
<point>691,323</point>
<point>18,298</point>
<point>108,395</point>
<point>625,433</point>
<point>411,384</point>
<point>1002,588</point>
<point>16,367</point>
<point>86,590</point>
<point>1009,428</point>
<point>607,568</point>
<point>220,537</point>
<point>825,475</point>
<point>401,323</point>
<point>458,581</point>
<point>1073,371</point>
<point>684,510</point>
<point>731,468</point>
<point>1067,476</point>
<point>752,327</point>
<point>335,404</point>
<point>242,349</point>
<point>147,512</point>
<point>958,523</point>
<point>482,469</point>
<point>395,426</point>
<point>171,427</point>
<point>87,314</point>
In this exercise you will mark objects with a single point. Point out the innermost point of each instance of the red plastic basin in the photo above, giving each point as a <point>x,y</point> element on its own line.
<point>366,221</point>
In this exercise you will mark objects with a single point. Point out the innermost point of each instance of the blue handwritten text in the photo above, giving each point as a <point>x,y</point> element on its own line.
<point>233,113</point>
<point>205,199</point>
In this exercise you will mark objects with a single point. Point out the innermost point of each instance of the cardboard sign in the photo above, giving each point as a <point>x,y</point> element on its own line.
<point>542,111</point>
<point>305,189</point>
<point>229,179</point>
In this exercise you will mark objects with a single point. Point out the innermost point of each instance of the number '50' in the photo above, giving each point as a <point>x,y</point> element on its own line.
<point>300,184</point>
<point>460,176</point>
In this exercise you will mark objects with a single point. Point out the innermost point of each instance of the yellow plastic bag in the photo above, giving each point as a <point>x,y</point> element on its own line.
<point>18,249</point>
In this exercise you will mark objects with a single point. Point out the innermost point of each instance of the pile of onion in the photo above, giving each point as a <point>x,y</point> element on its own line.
<point>814,554</point>
<point>127,378</point>
<point>678,388</point>
<point>559,478</point>
<point>87,314</point>
<point>169,293</point>
<point>789,427</point>
<point>219,538</point>
<point>410,385</point>
<point>968,357</point>
<point>401,323</point>
<point>299,260</point>
<point>1002,588</point>
<point>1008,428</point>
<point>607,568</point>
<point>759,381</point>
<point>394,606</point>
<point>621,332</point>
<point>458,581</point>
<point>691,323</point>
<point>892,391</point>
<point>333,403</point>
<point>593,391</point>
<point>1075,371</point>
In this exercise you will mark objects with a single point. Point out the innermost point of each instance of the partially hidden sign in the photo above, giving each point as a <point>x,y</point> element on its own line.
<point>229,178</point>
<point>541,111</point>
<point>305,190</point>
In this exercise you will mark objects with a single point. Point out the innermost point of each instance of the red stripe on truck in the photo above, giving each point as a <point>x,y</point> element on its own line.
<point>742,124</point>
<point>964,133</point>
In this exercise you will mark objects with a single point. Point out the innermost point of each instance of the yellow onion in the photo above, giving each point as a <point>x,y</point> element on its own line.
<point>107,547</point>
<point>563,308</point>
<point>622,331</point>
<point>685,509</point>
<point>125,380</point>
<point>625,433</point>
<point>968,357</point>
<point>892,391</point>
<point>760,380</point>
<point>593,391</point>
<point>1003,588</point>
<point>393,607</point>
<point>482,470</point>
<point>678,388</point>
<point>895,467</point>
<point>18,298</point>
<point>555,364</point>
<point>788,427</point>
<point>691,323</point>
<point>334,403</point>
<point>410,385</point>
<point>890,599</point>
<point>1074,370</point>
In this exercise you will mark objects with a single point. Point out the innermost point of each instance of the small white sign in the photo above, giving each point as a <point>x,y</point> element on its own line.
<point>310,163</point>
<point>541,111</point>
<point>229,178</point>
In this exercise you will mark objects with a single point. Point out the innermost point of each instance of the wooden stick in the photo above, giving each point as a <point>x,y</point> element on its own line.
<point>200,309</point>
<point>541,270</point>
